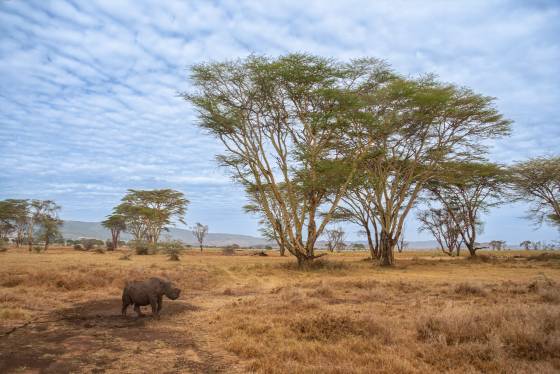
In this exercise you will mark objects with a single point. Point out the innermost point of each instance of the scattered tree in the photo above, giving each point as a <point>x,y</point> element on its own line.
<point>466,190</point>
<point>335,239</point>
<point>42,212</point>
<point>444,229</point>
<point>526,244</point>
<point>538,181</point>
<point>200,231</point>
<point>497,245</point>
<point>116,223</point>
<point>147,212</point>
<point>14,216</point>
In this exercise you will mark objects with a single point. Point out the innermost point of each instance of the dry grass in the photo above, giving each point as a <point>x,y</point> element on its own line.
<point>428,314</point>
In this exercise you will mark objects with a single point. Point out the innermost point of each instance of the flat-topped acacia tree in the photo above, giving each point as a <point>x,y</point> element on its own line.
<point>421,124</point>
<point>147,212</point>
<point>289,127</point>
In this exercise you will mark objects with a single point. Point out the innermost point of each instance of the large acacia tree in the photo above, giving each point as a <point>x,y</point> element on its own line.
<point>291,130</point>
<point>421,124</point>
<point>538,181</point>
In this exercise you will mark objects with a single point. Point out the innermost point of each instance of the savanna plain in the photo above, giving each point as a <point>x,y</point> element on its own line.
<point>497,313</point>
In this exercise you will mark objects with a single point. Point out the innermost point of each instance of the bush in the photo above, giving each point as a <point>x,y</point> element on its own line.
<point>78,247</point>
<point>228,250</point>
<point>89,244</point>
<point>38,248</point>
<point>126,256</point>
<point>173,249</point>
<point>142,248</point>
<point>109,245</point>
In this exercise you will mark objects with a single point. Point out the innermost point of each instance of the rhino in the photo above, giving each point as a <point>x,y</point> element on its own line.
<point>148,292</point>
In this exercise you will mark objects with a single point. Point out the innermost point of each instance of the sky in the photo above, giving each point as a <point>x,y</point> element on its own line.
<point>89,102</point>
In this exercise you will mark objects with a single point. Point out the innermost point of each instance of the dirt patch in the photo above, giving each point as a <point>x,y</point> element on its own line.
<point>94,337</point>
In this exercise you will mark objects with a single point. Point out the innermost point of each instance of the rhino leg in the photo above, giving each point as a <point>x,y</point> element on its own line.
<point>154,305</point>
<point>159,303</point>
<point>137,310</point>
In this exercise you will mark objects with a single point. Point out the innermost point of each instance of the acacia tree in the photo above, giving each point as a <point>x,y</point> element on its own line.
<point>335,239</point>
<point>200,231</point>
<point>148,212</point>
<point>49,229</point>
<point>538,181</point>
<point>444,229</point>
<point>6,219</point>
<point>466,190</point>
<point>525,244</point>
<point>497,245</point>
<point>289,128</point>
<point>421,124</point>
<point>41,211</point>
<point>116,223</point>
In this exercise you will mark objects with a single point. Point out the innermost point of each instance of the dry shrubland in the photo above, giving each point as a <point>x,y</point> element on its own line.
<point>263,314</point>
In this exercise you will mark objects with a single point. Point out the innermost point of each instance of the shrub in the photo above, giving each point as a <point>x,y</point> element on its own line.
<point>228,250</point>
<point>38,248</point>
<point>126,256</point>
<point>173,249</point>
<point>469,290</point>
<point>109,245</point>
<point>142,249</point>
<point>78,247</point>
<point>88,244</point>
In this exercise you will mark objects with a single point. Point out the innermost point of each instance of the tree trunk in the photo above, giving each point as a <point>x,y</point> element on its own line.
<point>46,243</point>
<point>282,250</point>
<point>386,247</point>
<point>115,238</point>
<point>200,247</point>
<point>372,248</point>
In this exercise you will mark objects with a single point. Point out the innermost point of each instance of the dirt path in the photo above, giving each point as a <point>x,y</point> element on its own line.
<point>93,337</point>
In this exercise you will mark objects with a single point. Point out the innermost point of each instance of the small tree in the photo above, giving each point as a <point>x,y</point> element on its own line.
<point>444,229</point>
<point>49,230</point>
<point>41,211</point>
<point>335,239</point>
<point>200,231</point>
<point>525,244</point>
<point>466,190</point>
<point>497,245</point>
<point>117,224</point>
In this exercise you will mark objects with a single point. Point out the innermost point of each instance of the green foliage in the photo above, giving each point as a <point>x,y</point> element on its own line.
<point>147,212</point>
<point>299,130</point>
<point>538,182</point>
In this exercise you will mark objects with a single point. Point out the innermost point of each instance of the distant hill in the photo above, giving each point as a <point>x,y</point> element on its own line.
<point>78,229</point>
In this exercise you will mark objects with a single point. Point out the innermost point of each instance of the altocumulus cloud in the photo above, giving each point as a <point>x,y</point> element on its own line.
<point>88,90</point>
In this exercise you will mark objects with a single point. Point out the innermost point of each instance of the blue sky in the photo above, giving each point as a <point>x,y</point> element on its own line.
<point>88,89</point>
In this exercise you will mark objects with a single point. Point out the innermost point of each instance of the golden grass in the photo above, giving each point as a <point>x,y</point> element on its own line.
<point>429,313</point>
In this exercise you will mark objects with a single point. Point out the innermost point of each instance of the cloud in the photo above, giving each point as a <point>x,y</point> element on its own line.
<point>88,90</point>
